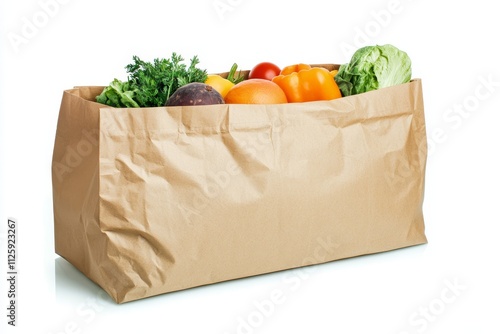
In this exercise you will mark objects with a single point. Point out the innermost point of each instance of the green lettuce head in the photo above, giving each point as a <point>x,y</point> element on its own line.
<point>373,67</point>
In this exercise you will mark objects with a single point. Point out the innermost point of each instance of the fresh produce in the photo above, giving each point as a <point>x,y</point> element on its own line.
<point>118,94</point>
<point>151,84</point>
<point>155,84</point>
<point>264,70</point>
<point>195,93</point>
<point>255,91</point>
<point>231,76</point>
<point>219,83</point>
<point>303,83</point>
<point>374,67</point>
<point>223,85</point>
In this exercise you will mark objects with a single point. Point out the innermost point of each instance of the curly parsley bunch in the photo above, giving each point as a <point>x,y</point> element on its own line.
<point>151,84</point>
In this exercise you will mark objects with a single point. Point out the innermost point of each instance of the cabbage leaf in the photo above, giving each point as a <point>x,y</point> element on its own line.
<point>374,67</point>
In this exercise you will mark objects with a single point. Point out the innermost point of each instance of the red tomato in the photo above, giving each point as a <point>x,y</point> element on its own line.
<point>264,70</point>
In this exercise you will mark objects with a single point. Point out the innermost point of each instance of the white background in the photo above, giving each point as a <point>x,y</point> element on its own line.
<point>450,285</point>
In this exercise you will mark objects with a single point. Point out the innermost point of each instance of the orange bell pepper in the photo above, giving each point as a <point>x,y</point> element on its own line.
<point>303,83</point>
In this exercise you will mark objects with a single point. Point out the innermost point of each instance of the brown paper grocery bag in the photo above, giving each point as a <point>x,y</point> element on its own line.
<point>153,200</point>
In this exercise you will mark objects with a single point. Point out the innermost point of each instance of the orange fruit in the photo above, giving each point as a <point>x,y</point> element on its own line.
<point>255,91</point>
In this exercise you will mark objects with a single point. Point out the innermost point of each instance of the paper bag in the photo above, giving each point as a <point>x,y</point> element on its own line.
<point>154,200</point>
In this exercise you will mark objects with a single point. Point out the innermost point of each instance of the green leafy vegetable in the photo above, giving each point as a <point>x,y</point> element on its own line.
<point>373,67</point>
<point>118,94</point>
<point>151,84</point>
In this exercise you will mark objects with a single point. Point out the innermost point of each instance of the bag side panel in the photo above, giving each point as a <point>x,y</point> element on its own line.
<point>75,181</point>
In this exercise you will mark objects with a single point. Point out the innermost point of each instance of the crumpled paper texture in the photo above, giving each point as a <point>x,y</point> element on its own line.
<point>154,200</point>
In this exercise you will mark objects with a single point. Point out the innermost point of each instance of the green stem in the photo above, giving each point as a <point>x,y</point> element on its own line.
<point>231,74</point>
